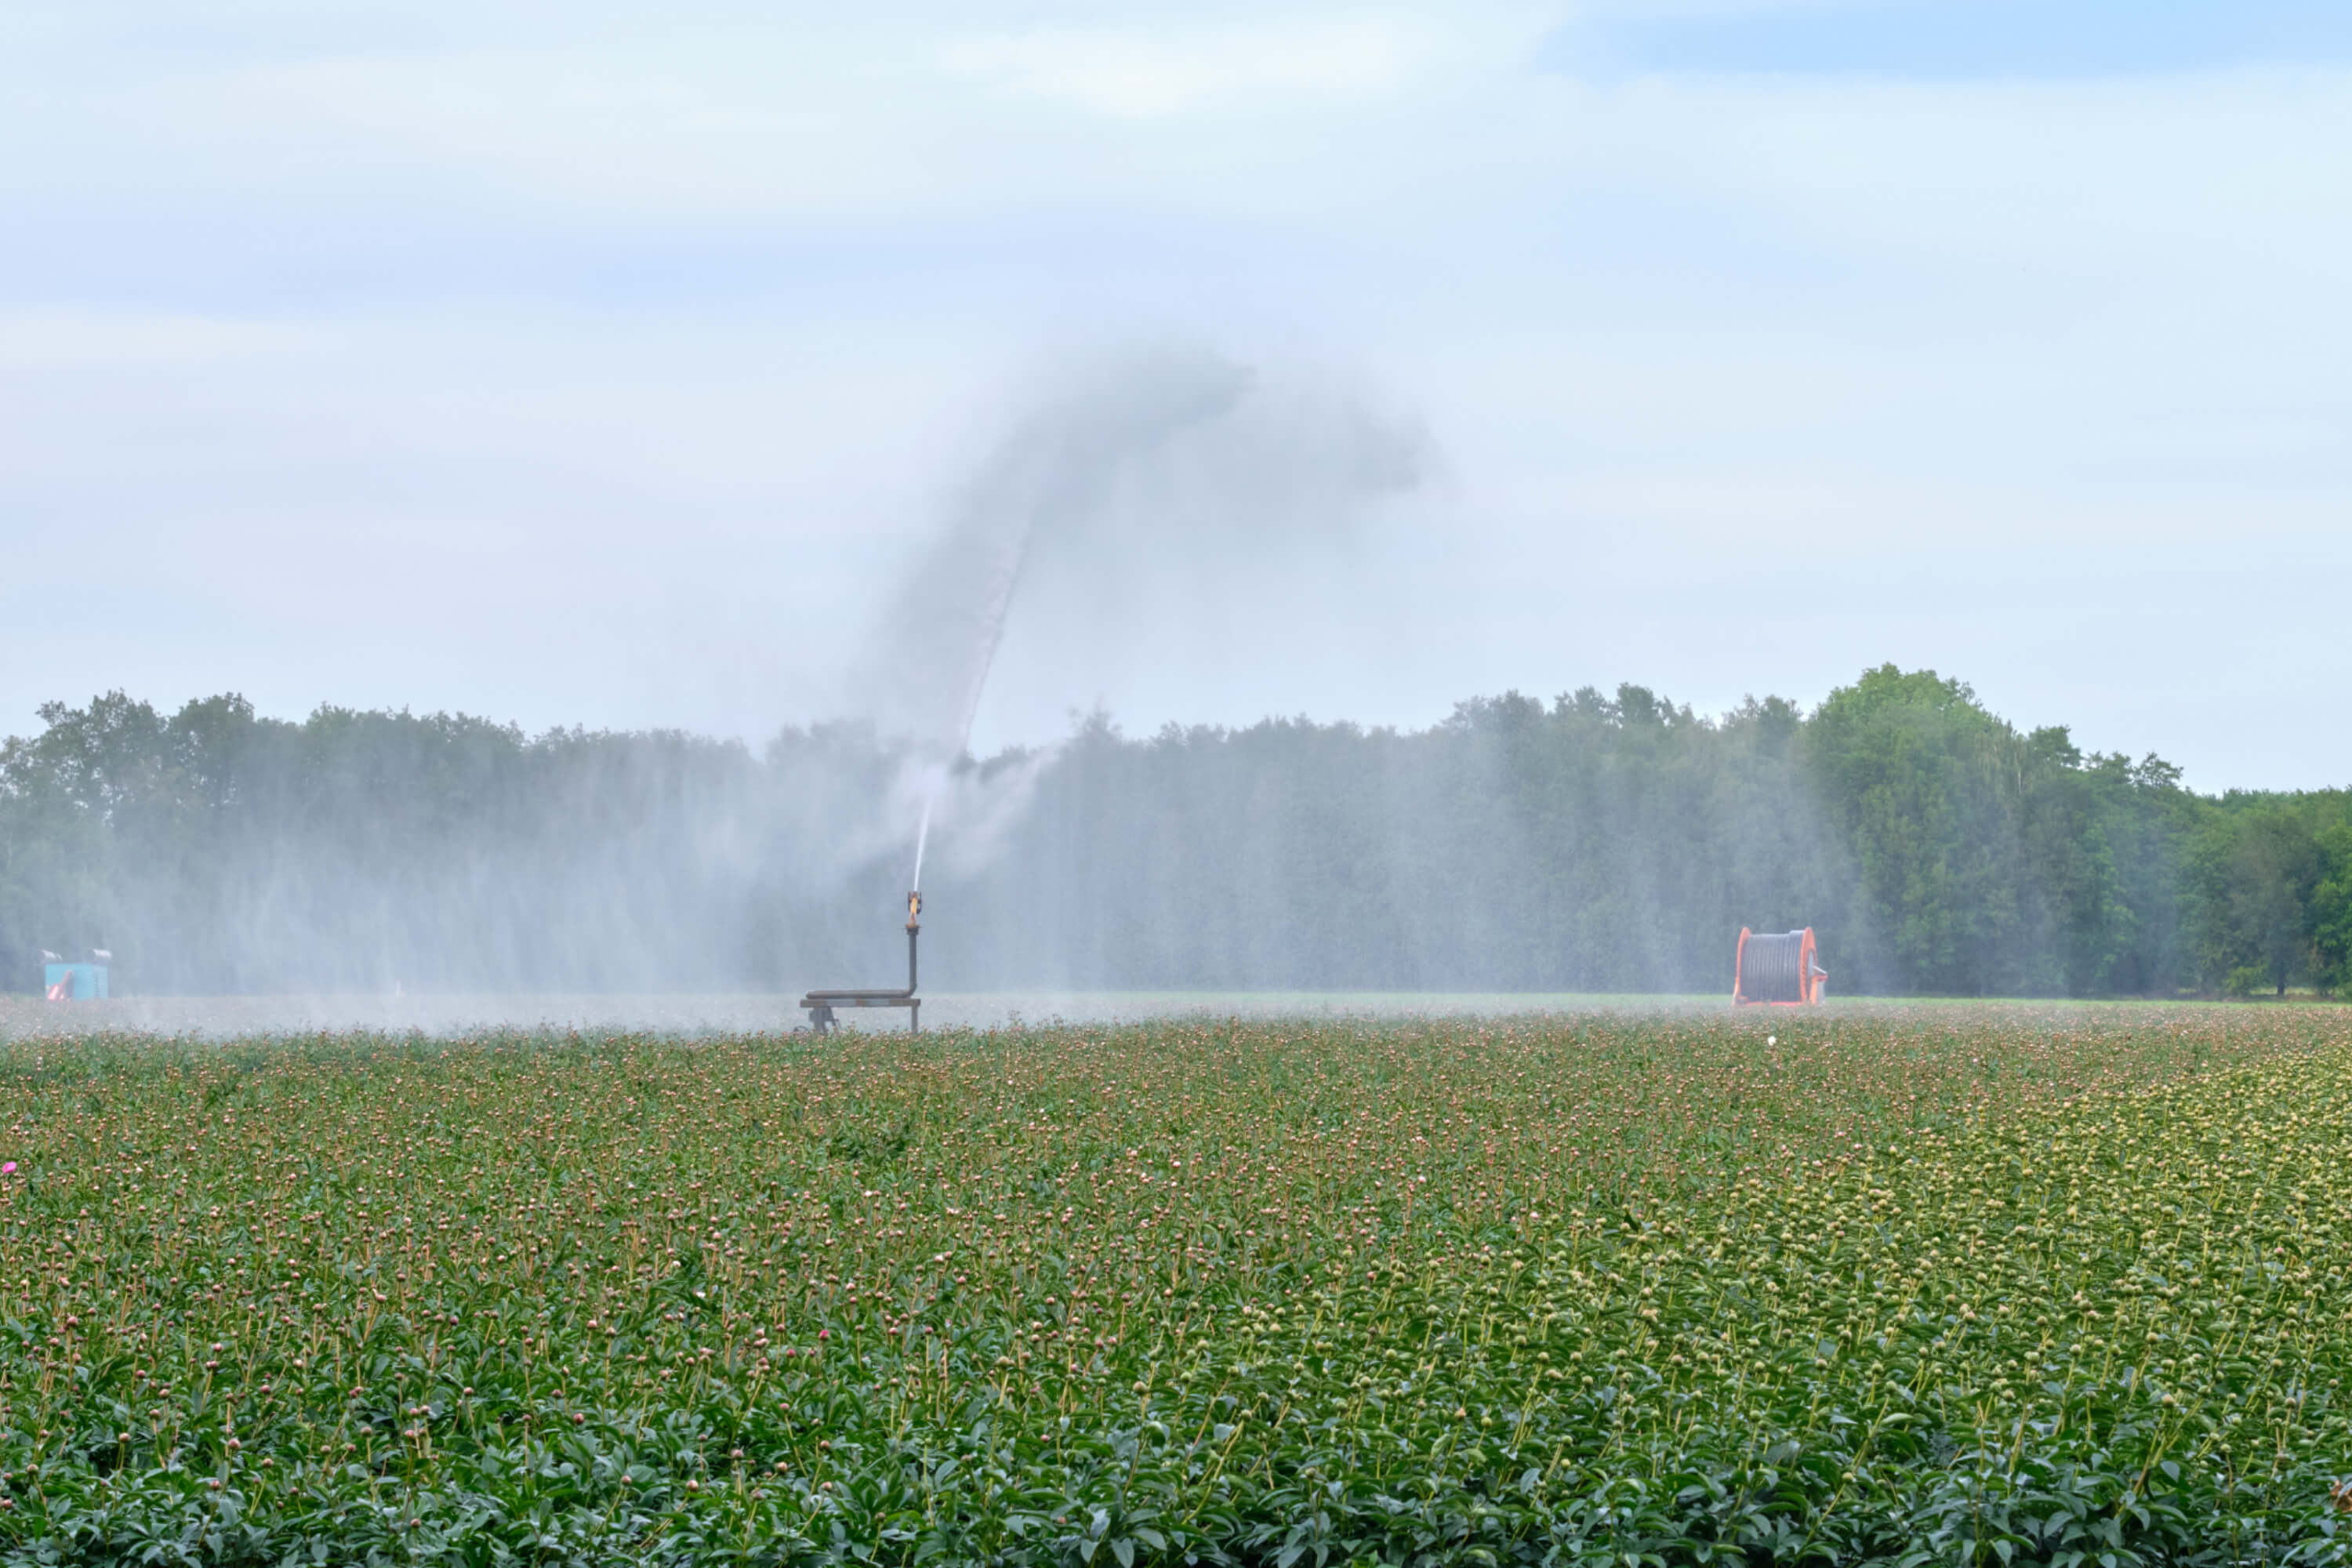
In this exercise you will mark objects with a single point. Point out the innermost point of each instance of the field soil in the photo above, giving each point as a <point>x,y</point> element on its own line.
<point>750,1012</point>
<point>757,1013</point>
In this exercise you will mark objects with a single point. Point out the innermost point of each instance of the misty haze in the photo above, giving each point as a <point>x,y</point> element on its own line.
<point>1588,842</point>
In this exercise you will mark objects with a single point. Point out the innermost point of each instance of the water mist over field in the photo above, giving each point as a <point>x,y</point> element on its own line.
<point>374,852</point>
<point>1589,842</point>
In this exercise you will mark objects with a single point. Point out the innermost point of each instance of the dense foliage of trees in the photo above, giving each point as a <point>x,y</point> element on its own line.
<point>1592,843</point>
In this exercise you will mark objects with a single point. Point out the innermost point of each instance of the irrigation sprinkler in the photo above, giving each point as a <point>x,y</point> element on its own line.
<point>821,1003</point>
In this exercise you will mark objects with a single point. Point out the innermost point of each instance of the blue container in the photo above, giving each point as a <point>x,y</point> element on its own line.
<point>75,982</point>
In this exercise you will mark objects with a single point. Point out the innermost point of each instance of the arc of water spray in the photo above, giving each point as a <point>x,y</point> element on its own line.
<point>998,604</point>
<point>1059,461</point>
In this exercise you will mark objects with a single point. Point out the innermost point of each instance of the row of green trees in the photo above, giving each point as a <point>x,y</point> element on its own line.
<point>1591,843</point>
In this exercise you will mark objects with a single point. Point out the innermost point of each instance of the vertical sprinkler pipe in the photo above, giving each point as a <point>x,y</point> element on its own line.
<point>821,1005</point>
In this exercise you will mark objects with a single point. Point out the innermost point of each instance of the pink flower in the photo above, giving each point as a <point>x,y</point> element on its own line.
<point>9,1169</point>
<point>824,1333</point>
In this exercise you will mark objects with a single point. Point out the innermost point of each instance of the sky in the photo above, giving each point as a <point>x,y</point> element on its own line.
<point>595,365</point>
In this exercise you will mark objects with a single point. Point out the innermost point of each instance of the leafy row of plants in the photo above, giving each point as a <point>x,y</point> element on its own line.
<point>1952,1286</point>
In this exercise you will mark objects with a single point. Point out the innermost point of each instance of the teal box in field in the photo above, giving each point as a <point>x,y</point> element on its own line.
<point>75,982</point>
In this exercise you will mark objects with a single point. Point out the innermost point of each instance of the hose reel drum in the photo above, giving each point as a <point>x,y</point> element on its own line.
<point>1778,968</point>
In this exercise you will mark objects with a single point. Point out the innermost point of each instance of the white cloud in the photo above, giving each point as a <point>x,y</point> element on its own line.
<point>1146,73</point>
<point>57,336</point>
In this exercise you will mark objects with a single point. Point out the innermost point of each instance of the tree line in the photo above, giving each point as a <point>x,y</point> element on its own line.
<point>1591,843</point>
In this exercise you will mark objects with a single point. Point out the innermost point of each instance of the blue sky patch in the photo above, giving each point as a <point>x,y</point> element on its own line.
<point>1945,39</point>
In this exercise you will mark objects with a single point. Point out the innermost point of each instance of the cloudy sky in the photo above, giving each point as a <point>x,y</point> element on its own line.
<point>594,364</point>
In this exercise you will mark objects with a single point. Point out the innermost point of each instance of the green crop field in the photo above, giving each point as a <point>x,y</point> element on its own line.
<point>1966,1285</point>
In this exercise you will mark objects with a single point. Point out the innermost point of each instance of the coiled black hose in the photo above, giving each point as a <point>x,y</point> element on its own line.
<point>1771,968</point>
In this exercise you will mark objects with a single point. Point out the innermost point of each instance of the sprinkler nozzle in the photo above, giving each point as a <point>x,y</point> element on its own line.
<point>914,909</point>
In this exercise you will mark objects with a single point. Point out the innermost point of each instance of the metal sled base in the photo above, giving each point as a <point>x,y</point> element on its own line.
<point>822,1004</point>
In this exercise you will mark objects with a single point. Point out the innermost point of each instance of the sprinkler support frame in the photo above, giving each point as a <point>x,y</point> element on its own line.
<point>821,1003</point>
